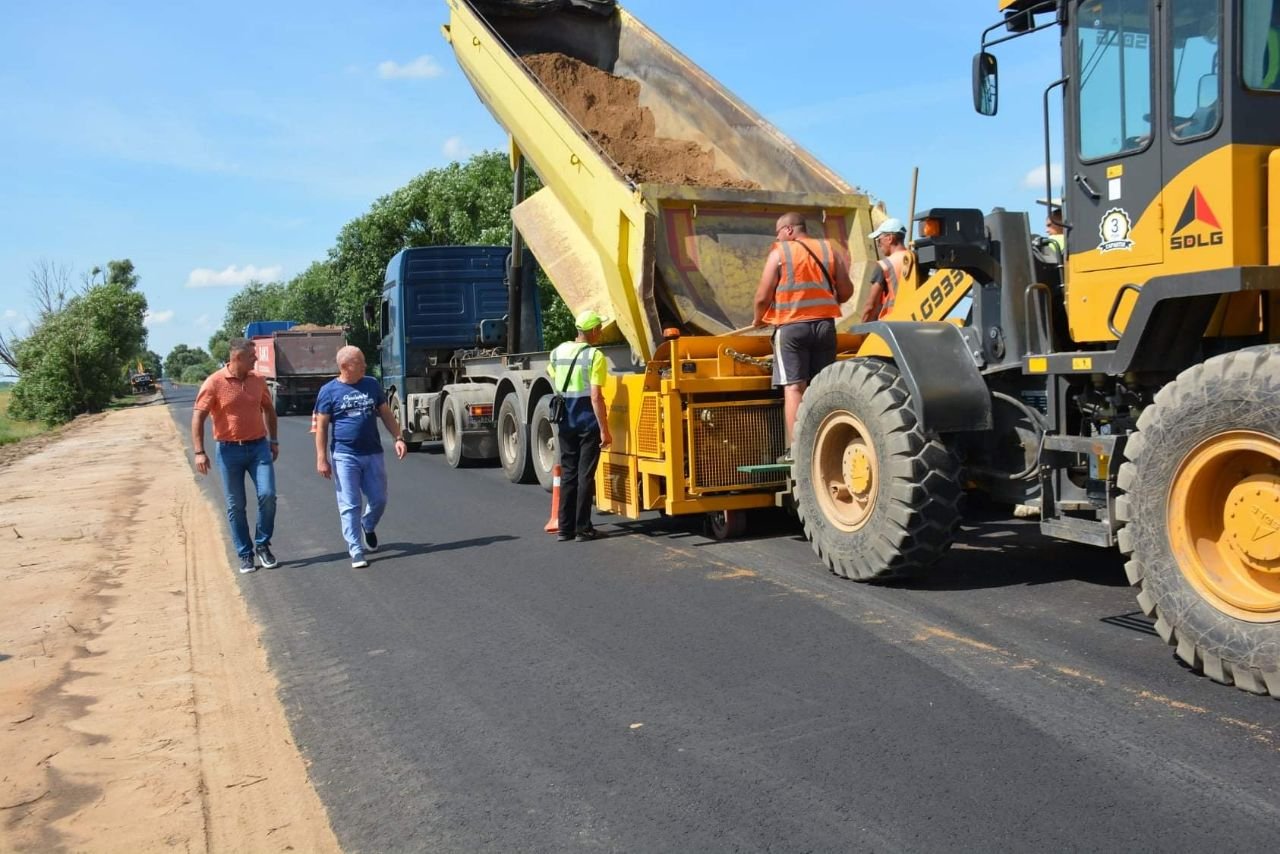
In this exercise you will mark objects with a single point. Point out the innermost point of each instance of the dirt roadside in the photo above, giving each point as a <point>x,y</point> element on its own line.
<point>137,711</point>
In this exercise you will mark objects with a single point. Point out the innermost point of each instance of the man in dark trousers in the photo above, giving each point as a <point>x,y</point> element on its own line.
<point>578,370</point>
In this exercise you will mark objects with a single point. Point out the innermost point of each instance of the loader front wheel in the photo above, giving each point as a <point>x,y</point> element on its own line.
<point>876,496</point>
<point>1202,505</point>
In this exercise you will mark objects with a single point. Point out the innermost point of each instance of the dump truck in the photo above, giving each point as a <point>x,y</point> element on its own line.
<point>671,259</point>
<point>296,360</point>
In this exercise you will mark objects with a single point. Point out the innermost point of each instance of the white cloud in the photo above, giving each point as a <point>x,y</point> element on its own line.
<point>10,314</point>
<point>1034,180</point>
<point>423,67</point>
<point>202,322</point>
<point>454,147</point>
<point>232,277</point>
<point>155,318</point>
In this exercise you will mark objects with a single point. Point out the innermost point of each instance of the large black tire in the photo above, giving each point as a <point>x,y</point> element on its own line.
<point>544,450</point>
<point>513,442</point>
<point>451,434</point>
<point>1201,486</point>
<point>890,495</point>
<point>281,404</point>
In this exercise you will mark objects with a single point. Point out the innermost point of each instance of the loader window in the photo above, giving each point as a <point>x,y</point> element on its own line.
<point>1260,44</point>
<point>1194,68</point>
<point>1113,39</point>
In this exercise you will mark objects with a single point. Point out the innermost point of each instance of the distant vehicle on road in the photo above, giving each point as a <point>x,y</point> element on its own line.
<point>296,360</point>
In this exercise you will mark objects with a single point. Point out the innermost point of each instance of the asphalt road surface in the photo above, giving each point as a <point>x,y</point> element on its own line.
<point>482,687</point>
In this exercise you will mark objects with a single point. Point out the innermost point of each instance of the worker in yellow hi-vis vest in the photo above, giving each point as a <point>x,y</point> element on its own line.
<point>578,370</point>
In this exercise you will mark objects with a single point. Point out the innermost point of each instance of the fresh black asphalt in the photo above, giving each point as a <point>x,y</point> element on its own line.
<point>481,687</point>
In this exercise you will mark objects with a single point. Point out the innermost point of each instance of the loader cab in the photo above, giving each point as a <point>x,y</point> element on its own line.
<point>1169,116</point>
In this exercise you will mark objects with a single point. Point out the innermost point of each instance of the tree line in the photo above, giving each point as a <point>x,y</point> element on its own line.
<point>81,345</point>
<point>459,204</point>
<point>84,340</point>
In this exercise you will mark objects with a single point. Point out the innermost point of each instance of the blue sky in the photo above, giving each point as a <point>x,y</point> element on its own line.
<point>213,143</point>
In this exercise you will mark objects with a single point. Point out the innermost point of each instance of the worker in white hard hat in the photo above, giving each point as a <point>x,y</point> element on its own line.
<point>578,370</point>
<point>891,241</point>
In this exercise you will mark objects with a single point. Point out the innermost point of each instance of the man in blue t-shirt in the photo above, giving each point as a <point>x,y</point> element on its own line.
<point>353,403</point>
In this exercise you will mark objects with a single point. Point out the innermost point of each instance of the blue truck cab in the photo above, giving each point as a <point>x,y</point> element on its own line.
<point>443,327</point>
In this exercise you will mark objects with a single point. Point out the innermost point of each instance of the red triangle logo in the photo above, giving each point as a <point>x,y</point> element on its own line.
<point>1203,211</point>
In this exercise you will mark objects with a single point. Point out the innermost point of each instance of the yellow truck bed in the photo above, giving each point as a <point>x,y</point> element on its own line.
<point>648,255</point>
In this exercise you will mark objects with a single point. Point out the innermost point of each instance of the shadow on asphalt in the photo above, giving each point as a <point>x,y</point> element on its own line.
<point>394,550</point>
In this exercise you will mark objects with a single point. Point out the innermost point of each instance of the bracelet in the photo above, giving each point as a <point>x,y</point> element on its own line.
<point>274,441</point>
<point>201,454</point>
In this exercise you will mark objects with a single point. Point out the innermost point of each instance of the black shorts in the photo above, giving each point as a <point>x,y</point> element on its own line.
<point>802,349</point>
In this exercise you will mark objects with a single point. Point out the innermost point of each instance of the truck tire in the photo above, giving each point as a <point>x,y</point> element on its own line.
<point>876,496</point>
<point>282,405</point>
<point>451,433</point>
<point>397,413</point>
<point>544,449</point>
<point>513,442</point>
<point>1201,504</point>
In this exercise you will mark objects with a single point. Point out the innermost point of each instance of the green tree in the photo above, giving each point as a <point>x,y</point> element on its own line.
<point>151,363</point>
<point>75,359</point>
<point>195,374</point>
<point>220,346</point>
<point>182,357</point>
<point>460,204</point>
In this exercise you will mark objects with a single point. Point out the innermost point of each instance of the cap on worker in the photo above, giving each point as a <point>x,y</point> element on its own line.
<point>892,225</point>
<point>587,320</point>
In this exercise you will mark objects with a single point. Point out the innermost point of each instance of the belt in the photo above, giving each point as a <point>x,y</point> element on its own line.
<point>245,442</point>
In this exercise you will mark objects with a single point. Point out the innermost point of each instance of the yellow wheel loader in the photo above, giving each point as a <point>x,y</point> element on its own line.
<point>1127,388</point>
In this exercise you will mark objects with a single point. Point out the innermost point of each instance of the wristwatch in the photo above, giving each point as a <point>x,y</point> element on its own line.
<point>201,454</point>
<point>274,441</point>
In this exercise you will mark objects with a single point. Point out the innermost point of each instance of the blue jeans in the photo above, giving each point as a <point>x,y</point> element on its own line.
<point>234,462</point>
<point>352,475</point>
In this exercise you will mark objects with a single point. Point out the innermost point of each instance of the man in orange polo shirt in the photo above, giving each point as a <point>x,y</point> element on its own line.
<point>805,279</point>
<point>244,428</point>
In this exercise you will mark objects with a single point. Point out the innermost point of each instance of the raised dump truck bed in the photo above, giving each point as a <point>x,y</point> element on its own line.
<point>649,255</point>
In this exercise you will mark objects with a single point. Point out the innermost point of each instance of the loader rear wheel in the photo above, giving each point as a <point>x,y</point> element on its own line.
<point>544,452</point>
<point>1202,505</point>
<point>513,442</point>
<point>876,496</point>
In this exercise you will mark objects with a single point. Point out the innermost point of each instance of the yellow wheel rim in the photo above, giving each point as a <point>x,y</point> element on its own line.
<point>845,472</point>
<point>1224,523</point>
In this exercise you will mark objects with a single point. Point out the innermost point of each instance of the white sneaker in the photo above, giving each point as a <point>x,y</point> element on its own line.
<point>359,563</point>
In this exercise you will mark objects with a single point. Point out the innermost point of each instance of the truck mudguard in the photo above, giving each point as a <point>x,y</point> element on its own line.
<point>947,390</point>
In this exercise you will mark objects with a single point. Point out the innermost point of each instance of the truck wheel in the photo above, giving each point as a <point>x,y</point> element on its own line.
<point>451,434</point>
<point>876,496</point>
<point>545,451</point>
<point>282,405</point>
<point>513,442</point>
<point>394,402</point>
<point>1202,506</point>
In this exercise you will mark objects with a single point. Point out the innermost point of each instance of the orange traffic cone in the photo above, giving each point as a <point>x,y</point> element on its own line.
<point>553,524</point>
<point>313,422</point>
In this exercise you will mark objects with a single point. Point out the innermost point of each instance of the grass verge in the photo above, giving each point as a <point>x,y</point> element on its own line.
<point>11,429</point>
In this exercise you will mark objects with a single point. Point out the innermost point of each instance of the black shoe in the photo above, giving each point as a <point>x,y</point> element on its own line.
<point>564,538</point>
<point>589,534</point>
<point>371,541</point>
<point>267,559</point>
<point>247,565</point>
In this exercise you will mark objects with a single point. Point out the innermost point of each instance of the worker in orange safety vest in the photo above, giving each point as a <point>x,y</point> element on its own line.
<point>805,280</point>
<point>891,240</point>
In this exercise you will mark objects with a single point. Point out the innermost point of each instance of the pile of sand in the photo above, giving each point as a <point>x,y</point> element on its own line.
<point>608,108</point>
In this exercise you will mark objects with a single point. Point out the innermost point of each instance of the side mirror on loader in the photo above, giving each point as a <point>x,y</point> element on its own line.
<point>986,97</point>
<point>369,318</point>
